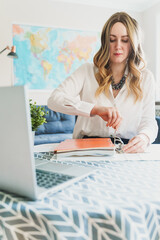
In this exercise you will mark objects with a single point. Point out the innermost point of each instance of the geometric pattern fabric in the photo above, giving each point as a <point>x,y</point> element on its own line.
<point>119,201</point>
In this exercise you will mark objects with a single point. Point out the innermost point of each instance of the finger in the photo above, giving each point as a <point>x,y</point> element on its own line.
<point>131,149</point>
<point>131,144</point>
<point>136,149</point>
<point>109,117</point>
<point>140,146</point>
<point>134,146</point>
<point>117,123</point>
<point>113,119</point>
<point>117,119</point>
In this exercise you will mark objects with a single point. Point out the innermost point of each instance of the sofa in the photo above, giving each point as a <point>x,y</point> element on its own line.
<point>157,141</point>
<point>60,126</point>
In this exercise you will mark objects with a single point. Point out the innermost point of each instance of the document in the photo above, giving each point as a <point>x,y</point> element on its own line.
<point>85,147</point>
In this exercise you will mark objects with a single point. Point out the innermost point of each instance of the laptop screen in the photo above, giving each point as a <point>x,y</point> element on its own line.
<point>16,144</point>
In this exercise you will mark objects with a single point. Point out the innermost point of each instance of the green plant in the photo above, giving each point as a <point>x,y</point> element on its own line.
<point>37,115</point>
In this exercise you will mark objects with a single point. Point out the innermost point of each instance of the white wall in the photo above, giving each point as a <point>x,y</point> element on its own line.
<point>45,13</point>
<point>152,42</point>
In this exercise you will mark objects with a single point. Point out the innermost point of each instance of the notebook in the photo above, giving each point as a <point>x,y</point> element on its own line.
<point>18,172</point>
<point>97,147</point>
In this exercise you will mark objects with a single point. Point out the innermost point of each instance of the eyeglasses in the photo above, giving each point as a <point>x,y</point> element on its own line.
<point>118,143</point>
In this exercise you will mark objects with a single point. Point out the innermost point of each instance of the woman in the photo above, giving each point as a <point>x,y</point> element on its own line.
<point>116,93</point>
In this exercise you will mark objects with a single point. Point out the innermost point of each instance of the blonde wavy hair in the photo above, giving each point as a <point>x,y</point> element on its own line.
<point>135,59</point>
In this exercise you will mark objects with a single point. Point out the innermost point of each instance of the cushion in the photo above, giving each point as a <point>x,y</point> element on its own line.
<point>157,141</point>
<point>56,123</point>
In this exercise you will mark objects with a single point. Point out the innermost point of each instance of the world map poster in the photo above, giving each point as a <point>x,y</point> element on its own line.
<point>47,56</point>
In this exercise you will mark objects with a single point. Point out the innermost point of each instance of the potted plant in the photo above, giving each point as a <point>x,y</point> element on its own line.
<point>37,115</point>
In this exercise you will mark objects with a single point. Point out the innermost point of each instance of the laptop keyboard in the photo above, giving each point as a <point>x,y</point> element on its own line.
<point>47,179</point>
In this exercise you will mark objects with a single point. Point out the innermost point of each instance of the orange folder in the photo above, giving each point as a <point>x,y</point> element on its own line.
<point>84,144</point>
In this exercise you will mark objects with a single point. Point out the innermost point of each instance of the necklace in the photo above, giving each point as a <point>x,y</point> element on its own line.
<point>119,85</point>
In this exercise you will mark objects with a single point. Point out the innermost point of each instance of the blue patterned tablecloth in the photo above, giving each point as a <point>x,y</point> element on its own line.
<point>119,201</point>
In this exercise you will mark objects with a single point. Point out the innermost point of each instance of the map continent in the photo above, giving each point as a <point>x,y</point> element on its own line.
<point>47,56</point>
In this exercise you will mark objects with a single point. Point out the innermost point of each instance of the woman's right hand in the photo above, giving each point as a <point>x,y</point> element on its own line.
<point>108,114</point>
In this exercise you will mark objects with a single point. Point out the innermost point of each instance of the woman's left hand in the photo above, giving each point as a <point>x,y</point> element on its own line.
<point>137,144</point>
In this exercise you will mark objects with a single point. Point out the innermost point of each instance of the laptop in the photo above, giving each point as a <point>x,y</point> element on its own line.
<point>18,171</point>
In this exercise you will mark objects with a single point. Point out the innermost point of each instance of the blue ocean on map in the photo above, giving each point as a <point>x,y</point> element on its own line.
<point>47,56</point>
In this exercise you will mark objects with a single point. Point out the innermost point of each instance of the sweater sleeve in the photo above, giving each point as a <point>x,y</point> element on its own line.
<point>67,97</point>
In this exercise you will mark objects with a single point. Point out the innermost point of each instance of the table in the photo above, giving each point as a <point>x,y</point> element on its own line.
<point>119,201</point>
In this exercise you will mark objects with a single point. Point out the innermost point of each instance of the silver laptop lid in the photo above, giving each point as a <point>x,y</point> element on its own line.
<point>17,171</point>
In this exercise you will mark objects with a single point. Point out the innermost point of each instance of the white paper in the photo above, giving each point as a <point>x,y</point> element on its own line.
<point>152,153</point>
